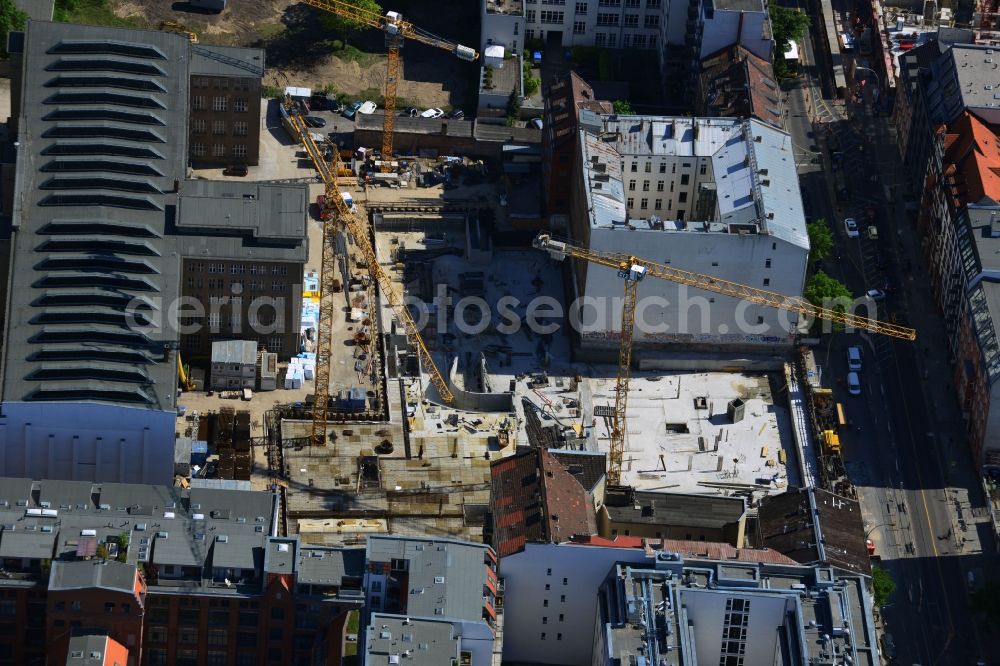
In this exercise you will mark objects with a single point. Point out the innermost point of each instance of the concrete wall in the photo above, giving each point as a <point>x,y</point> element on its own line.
<point>86,442</point>
<point>478,402</point>
<point>477,639</point>
<point>674,313</point>
<point>534,577</point>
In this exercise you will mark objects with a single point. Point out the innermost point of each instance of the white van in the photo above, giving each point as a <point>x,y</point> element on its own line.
<point>854,358</point>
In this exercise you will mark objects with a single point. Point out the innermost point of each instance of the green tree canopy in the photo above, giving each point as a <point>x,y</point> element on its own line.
<point>622,107</point>
<point>820,240</point>
<point>787,25</point>
<point>340,24</point>
<point>12,19</point>
<point>882,586</point>
<point>822,289</point>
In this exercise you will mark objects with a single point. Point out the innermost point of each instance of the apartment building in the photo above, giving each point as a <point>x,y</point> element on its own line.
<point>225,120</point>
<point>174,576</point>
<point>736,83</point>
<point>660,515</point>
<point>100,236</point>
<point>569,102</point>
<point>428,597</point>
<point>959,224</point>
<point>713,196</point>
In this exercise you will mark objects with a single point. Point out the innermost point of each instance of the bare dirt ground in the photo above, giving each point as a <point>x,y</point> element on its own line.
<point>299,50</point>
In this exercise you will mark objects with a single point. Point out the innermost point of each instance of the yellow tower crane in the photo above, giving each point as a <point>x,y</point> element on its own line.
<point>340,212</point>
<point>396,30</point>
<point>633,270</point>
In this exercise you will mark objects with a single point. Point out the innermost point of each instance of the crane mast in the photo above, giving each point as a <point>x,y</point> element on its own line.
<point>633,269</point>
<point>396,30</point>
<point>359,231</point>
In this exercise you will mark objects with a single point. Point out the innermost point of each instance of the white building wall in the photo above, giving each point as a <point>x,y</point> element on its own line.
<point>690,315</point>
<point>706,611</point>
<point>535,576</point>
<point>477,639</point>
<point>504,29</point>
<point>727,27</point>
<point>87,442</point>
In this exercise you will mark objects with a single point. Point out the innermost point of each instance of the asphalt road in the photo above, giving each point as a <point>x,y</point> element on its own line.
<point>905,452</point>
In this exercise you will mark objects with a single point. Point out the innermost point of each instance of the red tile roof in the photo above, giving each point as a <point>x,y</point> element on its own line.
<point>971,161</point>
<point>534,498</point>
<point>727,75</point>
<point>706,550</point>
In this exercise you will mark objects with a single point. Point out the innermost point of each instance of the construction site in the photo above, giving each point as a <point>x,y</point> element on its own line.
<point>434,341</point>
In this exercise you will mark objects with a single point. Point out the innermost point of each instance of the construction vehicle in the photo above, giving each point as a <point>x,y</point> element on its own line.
<point>831,443</point>
<point>633,270</point>
<point>183,377</point>
<point>174,26</point>
<point>345,213</point>
<point>396,30</point>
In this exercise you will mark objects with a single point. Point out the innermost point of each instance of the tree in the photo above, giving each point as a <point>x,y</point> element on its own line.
<point>342,25</point>
<point>882,586</point>
<point>622,107</point>
<point>820,240</point>
<point>787,25</point>
<point>513,107</point>
<point>822,290</point>
<point>12,19</point>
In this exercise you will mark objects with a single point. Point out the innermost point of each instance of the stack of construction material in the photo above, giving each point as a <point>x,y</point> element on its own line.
<point>304,362</point>
<point>294,376</point>
<point>224,425</point>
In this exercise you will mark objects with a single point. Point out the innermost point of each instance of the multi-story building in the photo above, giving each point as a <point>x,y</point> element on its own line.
<point>424,593</point>
<point>102,226</point>
<point>225,123</point>
<point>959,223</point>
<point>558,593</point>
<point>736,83</point>
<point>501,42</point>
<point>713,196</point>
<point>175,576</point>
<point>569,103</point>
<point>659,515</point>
<point>677,611</point>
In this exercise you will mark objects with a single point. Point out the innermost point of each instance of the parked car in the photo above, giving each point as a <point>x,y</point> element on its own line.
<point>875,294</point>
<point>851,227</point>
<point>315,121</point>
<point>457,114</point>
<point>432,113</point>
<point>351,110</point>
<point>236,170</point>
<point>537,123</point>
<point>888,646</point>
<point>854,358</point>
<point>872,232</point>
<point>853,383</point>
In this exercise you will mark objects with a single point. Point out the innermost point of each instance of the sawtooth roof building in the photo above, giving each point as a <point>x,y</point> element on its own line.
<point>103,219</point>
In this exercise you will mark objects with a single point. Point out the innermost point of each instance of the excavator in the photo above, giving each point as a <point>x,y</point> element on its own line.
<point>183,378</point>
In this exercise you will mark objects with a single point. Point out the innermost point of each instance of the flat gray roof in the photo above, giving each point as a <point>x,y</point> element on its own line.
<point>328,566</point>
<point>658,508</point>
<point>105,215</point>
<point>389,636</point>
<point>227,61</point>
<point>450,573</point>
<point>82,574</point>
<point>243,352</point>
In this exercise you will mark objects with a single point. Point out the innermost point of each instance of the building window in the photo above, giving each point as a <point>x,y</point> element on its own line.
<point>216,658</point>
<point>558,637</point>
<point>702,169</point>
<point>579,27</point>
<point>767,263</point>
<point>198,126</point>
<point>240,104</point>
<point>217,637</point>
<point>635,167</point>
<point>529,16</point>
<point>651,21</point>
<point>631,20</point>
<point>659,186</point>
<point>644,203</point>
<point>607,19</point>
<point>631,186</point>
<point>600,39</point>
<point>630,202</point>
<point>652,4</point>
<point>220,103</point>
<point>240,128</point>
<point>543,635</point>
<point>545,602</point>
<point>516,28</point>
<point>565,581</point>
<point>275,344</point>
<point>626,40</point>
<point>682,197</point>
<point>188,635</point>
<point>645,183</point>
<point>197,150</point>
<point>545,619</point>
<point>581,8</point>
<point>219,150</point>
<point>562,598</point>
<point>156,657</point>
<point>609,3</point>
<point>109,607</point>
<point>218,127</point>
<point>639,42</point>
<point>767,282</point>
<point>551,17</point>
<point>198,103</point>
<point>548,572</point>
<point>658,204</point>
<point>240,150</point>
<point>663,167</point>
<point>685,179</point>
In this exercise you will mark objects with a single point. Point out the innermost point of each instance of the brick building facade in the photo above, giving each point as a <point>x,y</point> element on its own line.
<point>225,122</point>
